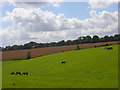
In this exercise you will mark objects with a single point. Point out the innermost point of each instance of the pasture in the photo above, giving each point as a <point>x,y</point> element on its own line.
<point>85,68</point>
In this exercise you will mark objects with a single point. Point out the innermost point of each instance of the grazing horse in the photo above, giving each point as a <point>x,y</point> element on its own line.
<point>12,73</point>
<point>25,73</point>
<point>105,47</point>
<point>63,62</point>
<point>18,73</point>
<point>109,48</point>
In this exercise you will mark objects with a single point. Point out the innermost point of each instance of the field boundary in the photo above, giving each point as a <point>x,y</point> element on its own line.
<point>37,52</point>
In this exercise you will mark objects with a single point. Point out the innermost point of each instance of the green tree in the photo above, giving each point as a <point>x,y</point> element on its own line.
<point>61,43</point>
<point>78,48</point>
<point>117,37</point>
<point>95,38</point>
<point>27,46</point>
<point>88,39</point>
<point>28,55</point>
<point>106,38</point>
<point>69,42</point>
<point>8,48</point>
<point>80,40</point>
<point>52,44</point>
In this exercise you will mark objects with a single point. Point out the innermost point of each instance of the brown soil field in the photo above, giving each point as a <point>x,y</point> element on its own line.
<point>37,52</point>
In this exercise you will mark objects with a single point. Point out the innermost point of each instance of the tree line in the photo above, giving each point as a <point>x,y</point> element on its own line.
<point>80,40</point>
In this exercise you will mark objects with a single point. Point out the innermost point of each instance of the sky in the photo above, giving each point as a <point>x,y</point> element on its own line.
<point>43,22</point>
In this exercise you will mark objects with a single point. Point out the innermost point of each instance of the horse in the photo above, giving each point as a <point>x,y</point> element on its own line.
<point>109,48</point>
<point>63,62</point>
<point>105,47</point>
<point>18,73</point>
<point>25,73</point>
<point>12,73</point>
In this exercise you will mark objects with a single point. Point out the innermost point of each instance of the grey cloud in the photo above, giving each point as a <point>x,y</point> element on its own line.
<point>29,4</point>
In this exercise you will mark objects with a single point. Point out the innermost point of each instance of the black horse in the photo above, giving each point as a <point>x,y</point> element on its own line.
<point>63,62</point>
<point>18,73</point>
<point>25,73</point>
<point>109,48</point>
<point>12,73</point>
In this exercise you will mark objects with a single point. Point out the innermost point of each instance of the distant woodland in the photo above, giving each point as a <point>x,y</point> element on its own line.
<point>80,40</point>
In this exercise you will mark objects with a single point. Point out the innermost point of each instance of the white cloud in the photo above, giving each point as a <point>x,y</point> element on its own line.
<point>57,3</point>
<point>11,37</point>
<point>44,26</point>
<point>96,4</point>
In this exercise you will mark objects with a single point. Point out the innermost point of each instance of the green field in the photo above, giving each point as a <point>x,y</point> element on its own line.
<point>86,68</point>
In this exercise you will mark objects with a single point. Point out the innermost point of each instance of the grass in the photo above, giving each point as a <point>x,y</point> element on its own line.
<point>86,68</point>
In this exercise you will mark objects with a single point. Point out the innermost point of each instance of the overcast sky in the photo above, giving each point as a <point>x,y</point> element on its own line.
<point>23,22</point>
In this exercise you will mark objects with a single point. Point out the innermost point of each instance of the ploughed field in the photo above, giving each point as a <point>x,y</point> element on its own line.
<point>85,68</point>
<point>37,52</point>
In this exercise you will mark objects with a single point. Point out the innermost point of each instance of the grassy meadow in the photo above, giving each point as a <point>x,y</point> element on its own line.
<point>85,68</point>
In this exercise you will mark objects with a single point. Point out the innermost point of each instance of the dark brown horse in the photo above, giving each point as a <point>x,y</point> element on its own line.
<point>105,47</point>
<point>12,73</point>
<point>25,73</point>
<point>18,73</point>
<point>63,62</point>
<point>109,48</point>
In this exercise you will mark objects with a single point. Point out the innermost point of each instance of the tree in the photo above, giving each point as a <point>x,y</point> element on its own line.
<point>106,38</point>
<point>75,42</point>
<point>117,37</point>
<point>0,48</point>
<point>28,55</point>
<point>15,47</point>
<point>88,39</point>
<point>61,43</point>
<point>46,44</point>
<point>27,46</point>
<point>68,42</point>
<point>52,44</point>
<point>78,48</point>
<point>95,38</point>
<point>7,48</point>
<point>111,38</point>
<point>80,40</point>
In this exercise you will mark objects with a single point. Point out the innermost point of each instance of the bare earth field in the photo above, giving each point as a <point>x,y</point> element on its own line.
<point>21,54</point>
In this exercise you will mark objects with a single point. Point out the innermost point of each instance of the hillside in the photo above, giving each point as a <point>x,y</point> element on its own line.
<point>86,68</point>
<point>21,54</point>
